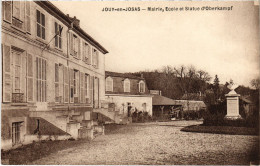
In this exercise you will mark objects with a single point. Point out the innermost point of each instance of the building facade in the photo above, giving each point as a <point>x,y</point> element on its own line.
<point>127,93</point>
<point>53,74</point>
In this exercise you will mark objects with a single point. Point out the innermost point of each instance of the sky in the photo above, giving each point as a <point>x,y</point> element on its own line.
<point>223,43</point>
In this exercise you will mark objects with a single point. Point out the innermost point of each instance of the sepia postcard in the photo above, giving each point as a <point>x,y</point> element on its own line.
<point>130,82</point>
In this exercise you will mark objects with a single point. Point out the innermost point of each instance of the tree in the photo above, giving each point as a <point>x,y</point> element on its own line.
<point>216,87</point>
<point>255,83</point>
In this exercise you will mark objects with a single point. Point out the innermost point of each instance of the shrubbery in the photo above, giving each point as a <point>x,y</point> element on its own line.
<point>215,116</point>
<point>141,117</point>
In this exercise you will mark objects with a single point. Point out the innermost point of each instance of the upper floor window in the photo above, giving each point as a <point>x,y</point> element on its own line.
<point>126,85</point>
<point>58,35</point>
<point>40,24</point>
<point>74,45</point>
<point>86,53</point>
<point>17,10</point>
<point>95,58</point>
<point>141,87</point>
<point>109,84</point>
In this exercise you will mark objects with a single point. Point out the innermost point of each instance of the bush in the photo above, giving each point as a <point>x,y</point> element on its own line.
<point>141,117</point>
<point>192,115</point>
<point>215,116</point>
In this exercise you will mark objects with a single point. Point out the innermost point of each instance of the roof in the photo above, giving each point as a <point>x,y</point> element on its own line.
<point>68,21</point>
<point>161,100</point>
<point>122,75</point>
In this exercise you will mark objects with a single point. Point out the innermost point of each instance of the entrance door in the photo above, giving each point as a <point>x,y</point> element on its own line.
<point>16,132</point>
<point>129,107</point>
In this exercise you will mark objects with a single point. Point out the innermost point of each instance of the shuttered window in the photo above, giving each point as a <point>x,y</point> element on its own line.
<point>75,45</point>
<point>86,53</point>
<point>17,10</point>
<point>95,58</point>
<point>7,81</point>
<point>7,10</point>
<point>82,96</point>
<point>58,36</point>
<point>40,24</point>
<point>71,73</point>
<point>40,79</point>
<point>30,85</point>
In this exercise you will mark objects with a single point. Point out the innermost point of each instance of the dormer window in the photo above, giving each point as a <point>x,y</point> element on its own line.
<point>127,85</point>
<point>109,84</point>
<point>141,87</point>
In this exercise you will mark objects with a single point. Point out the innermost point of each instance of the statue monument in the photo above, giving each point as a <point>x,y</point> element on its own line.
<point>232,103</point>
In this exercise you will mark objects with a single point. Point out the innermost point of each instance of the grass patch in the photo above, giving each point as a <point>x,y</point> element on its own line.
<point>221,130</point>
<point>31,152</point>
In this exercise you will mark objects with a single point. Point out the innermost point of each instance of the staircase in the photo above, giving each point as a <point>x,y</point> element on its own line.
<point>108,111</point>
<point>71,124</point>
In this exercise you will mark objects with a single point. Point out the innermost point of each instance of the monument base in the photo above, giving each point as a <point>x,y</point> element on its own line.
<point>233,117</point>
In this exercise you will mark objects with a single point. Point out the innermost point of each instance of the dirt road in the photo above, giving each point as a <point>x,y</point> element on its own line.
<point>158,143</point>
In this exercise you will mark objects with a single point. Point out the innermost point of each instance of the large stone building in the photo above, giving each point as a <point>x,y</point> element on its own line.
<point>53,74</point>
<point>126,93</point>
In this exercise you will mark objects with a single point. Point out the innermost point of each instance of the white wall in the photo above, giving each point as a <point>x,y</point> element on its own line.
<point>136,102</point>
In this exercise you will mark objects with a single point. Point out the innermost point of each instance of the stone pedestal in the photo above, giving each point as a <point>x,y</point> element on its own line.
<point>232,106</point>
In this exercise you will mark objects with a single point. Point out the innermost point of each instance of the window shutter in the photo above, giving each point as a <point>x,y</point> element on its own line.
<point>56,36</point>
<point>71,86</point>
<point>7,79</point>
<point>97,59</point>
<point>71,44</point>
<point>56,82</point>
<point>61,82</point>
<point>23,76</point>
<point>89,54</point>
<point>82,96</point>
<point>91,86</point>
<point>79,48</point>
<point>28,16</point>
<point>66,85</point>
<point>7,6</point>
<point>30,77</point>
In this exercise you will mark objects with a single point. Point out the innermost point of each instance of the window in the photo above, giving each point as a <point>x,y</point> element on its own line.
<point>41,79</point>
<point>40,24</point>
<point>74,86</point>
<point>109,84</point>
<point>141,87</point>
<point>59,82</point>
<point>16,132</point>
<point>74,45</point>
<point>17,71</point>
<point>58,35</point>
<point>7,10</point>
<point>86,53</point>
<point>95,58</point>
<point>126,85</point>
<point>17,10</point>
